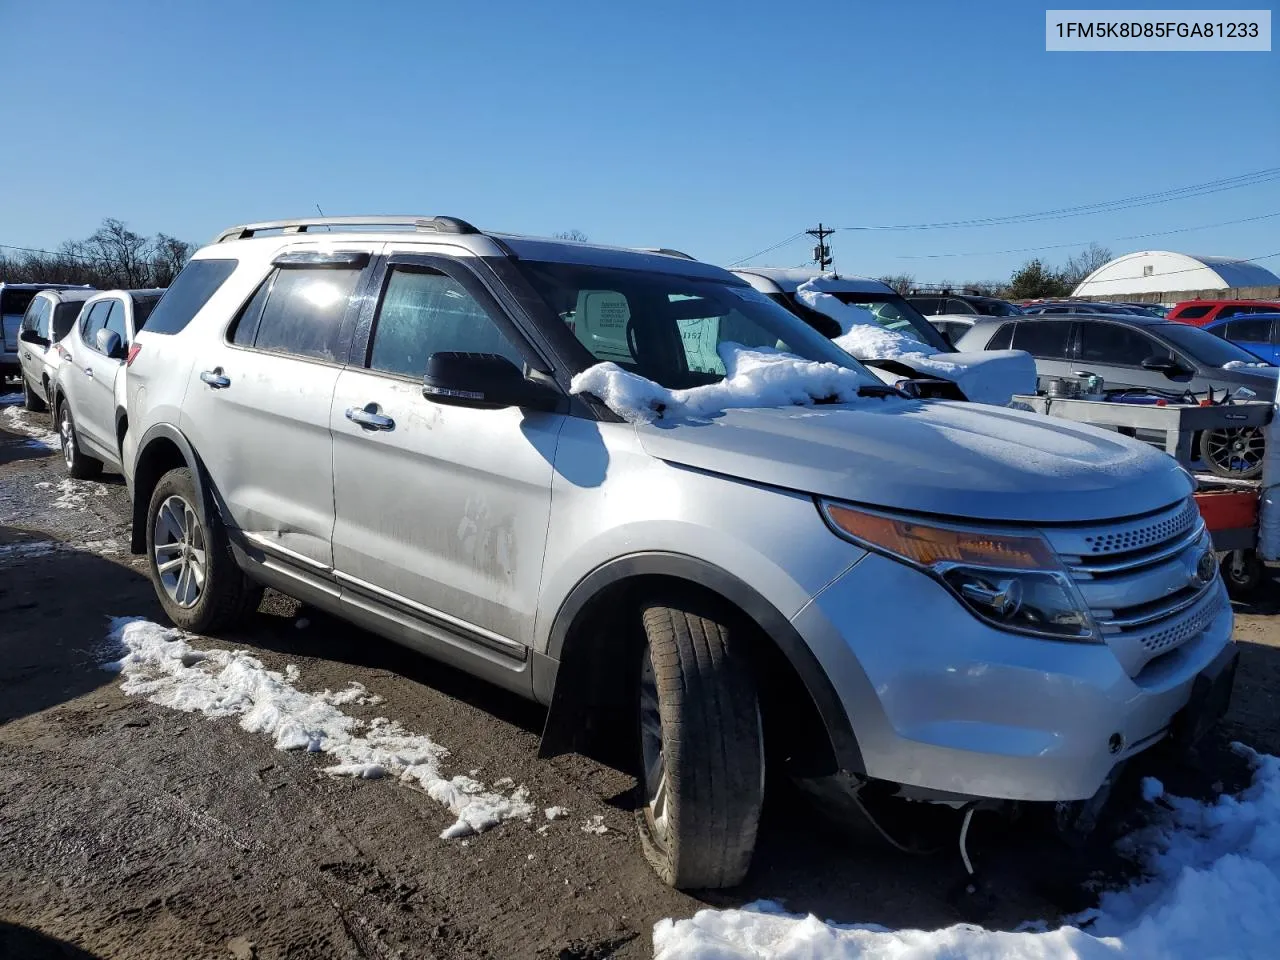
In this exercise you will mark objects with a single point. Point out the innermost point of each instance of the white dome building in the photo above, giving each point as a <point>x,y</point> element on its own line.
<point>1158,271</point>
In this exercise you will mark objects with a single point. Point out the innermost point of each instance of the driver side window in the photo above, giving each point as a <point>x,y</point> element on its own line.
<point>424,312</point>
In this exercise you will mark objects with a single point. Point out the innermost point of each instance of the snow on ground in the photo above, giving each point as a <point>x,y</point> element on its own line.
<point>990,376</point>
<point>73,494</point>
<point>1211,889</point>
<point>160,664</point>
<point>31,425</point>
<point>28,549</point>
<point>755,377</point>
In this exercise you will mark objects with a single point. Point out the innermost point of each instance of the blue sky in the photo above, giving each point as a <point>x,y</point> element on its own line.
<point>716,127</point>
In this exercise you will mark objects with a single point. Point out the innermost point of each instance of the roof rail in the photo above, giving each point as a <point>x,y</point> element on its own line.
<point>377,223</point>
<point>667,251</point>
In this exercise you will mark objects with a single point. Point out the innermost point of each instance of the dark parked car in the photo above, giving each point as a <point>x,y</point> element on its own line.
<point>1144,352</point>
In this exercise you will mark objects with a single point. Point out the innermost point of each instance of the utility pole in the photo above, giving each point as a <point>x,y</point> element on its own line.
<point>821,251</point>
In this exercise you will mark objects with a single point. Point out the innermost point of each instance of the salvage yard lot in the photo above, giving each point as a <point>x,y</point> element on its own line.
<point>132,830</point>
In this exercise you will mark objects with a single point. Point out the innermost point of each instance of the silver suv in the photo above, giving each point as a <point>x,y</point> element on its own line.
<point>959,600</point>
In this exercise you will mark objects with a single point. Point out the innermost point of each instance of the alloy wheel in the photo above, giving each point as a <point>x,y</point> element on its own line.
<point>67,434</point>
<point>180,552</point>
<point>651,752</point>
<point>1236,450</point>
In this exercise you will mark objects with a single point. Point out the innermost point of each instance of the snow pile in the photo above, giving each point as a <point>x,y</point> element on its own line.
<point>555,813</point>
<point>21,421</point>
<point>159,664</point>
<point>594,825</point>
<point>1249,365</point>
<point>754,377</point>
<point>75,494</point>
<point>1212,889</point>
<point>991,376</point>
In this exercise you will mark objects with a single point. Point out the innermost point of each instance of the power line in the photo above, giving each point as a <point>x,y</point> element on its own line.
<point>1083,243</point>
<point>760,253</point>
<point>58,253</point>
<point>1105,206</point>
<point>1190,191</point>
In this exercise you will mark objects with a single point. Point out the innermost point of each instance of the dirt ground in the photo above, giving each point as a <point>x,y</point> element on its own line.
<point>131,831</point>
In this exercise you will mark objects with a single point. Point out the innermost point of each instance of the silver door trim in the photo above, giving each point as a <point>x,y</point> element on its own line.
<point>504,644</point>
<point>270,546</point>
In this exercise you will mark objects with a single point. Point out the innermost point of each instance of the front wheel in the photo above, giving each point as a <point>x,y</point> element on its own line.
<point>198,581</point>
<point>1234,452</point>
<point>80,465</point>
<point>701,781</point>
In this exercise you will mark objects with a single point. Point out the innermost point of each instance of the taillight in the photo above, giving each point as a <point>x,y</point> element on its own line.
<point>133,352</point>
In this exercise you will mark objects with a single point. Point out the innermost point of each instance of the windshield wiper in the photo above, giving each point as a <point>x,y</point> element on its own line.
<point>881,390</point>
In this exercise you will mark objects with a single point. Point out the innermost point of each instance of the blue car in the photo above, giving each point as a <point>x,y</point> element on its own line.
<point>1259,333</point>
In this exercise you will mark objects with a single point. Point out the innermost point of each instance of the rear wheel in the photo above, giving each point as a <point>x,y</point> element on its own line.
<point>30,399</point>
<point>701,749</point>
<point>198,581</point>
<point>79,464</point>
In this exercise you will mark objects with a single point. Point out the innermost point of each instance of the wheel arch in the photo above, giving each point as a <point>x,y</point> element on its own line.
<point>579,679</point>
<point>162,448</point>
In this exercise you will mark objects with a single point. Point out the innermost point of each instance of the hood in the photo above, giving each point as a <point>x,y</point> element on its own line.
<point>1261,380</point>
<point>963,460</point>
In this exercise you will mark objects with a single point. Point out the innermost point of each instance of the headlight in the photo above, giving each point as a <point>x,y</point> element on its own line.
<point>1012,581</point>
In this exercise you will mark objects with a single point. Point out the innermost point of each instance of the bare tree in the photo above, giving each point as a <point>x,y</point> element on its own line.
<point>901,282</point>
<point>576,235</point>
<point>1084,263</point>
<point>114,257</point>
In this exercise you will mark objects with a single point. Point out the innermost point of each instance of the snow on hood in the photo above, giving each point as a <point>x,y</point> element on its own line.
<point>992,376</point>
<point>956,459</point>
<point>755,377</point>
<point>1260,367</point>
<point>1213,882</point>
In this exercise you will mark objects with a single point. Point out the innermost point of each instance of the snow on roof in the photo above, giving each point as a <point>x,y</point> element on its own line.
<point>754,377</point>
<point>1158,271</point>
<point>788,279</point>
<point>1213,879</point>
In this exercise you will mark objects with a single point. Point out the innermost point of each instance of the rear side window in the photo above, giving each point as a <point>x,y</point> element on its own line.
<point>959,306</point>
<point>301,312</point>
<point>1003,338</point>
<point>1252,331</point>
<point>64,318</point>
<point>142,307</point>
<point>190,290</point>
<point>1193,313</point>
<point>37,317</point>
<point>1046,339</point>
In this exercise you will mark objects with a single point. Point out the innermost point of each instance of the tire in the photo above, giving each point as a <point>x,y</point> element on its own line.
<point>80,465</point>
<point>202,589</point>
<point>1243,574</point>
<point>30,399</point>
<point>1234,452</point>
<point>701,750</point>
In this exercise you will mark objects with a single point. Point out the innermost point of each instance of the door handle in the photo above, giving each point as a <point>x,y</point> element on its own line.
<point>88,372</point>
<point>215,378</point>
<point>369,417</point>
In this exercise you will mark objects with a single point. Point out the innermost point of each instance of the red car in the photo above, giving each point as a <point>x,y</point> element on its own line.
<point>1201,312</point>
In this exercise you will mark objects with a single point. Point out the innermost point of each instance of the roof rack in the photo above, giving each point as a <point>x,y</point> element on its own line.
<point>377,223</point>
<point>667,251</point>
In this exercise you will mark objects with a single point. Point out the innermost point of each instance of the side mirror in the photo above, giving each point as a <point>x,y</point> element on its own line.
<point>109,343</point>
<point>484,381</point>
<point>30,336</point>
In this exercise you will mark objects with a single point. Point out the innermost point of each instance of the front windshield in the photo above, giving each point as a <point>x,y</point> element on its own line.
<point>894,313</point>
<point>1203,346</point>
<point>669,328</point>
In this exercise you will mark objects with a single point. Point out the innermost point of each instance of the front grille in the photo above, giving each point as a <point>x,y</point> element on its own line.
<point>1138,578</point>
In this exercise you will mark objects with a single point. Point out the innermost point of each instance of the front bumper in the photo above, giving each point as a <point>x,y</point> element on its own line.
<point>940,701</point>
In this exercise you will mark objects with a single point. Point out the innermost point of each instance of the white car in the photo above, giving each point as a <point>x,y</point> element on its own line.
<point>89,398</point>
<point>49,316</point>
